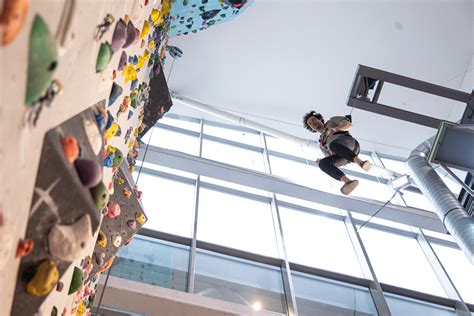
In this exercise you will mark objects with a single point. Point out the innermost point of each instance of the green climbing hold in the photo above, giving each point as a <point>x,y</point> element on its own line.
<point>54,311</point>
<point>118,158</point>
<point>100,195</point>
<point>103,57</point>
<point>42,60</point>
<point>77,279</point>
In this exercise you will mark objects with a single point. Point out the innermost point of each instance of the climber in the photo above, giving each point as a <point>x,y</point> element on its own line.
<point>338,146</point>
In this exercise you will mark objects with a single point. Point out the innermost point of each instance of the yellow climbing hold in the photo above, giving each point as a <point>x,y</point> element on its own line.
<point>81,309</point>
<point>129,73</point>
<point>146,54</point>
<point>151,44</point>
<point>155,16</point>
<point>140,63</point>
<point>165,7</point>
<point>112,130</point>
<point>45,279</point>
<point>145,29</point>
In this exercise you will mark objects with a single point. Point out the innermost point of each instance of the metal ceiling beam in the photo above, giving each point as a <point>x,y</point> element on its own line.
<point>372,105</point>
<point>206,167</point>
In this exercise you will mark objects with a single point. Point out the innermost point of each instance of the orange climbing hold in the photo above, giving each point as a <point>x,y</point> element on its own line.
<point>70,148</point>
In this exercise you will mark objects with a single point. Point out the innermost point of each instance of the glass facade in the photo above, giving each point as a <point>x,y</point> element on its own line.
<point>154,262</point>
<point>324,246</point>
<point>320,296</point>
<point>401,306</point>
<point>239,281</point>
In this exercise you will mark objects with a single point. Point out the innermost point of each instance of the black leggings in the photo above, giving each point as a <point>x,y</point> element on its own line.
<point>342,155</point>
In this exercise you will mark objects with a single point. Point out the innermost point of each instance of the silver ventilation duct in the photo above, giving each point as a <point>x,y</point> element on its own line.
<point>456,220</point>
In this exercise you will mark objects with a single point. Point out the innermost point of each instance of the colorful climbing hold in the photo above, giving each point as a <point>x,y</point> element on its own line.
<point>76,281</point>
<point>133,84</point>
<point>128,241</point>
<point>100,195</point>
<point>103,57</point>
<point>42,60</point>
<point>131,34</point>
<point>59,286</point>
<point>155,16</point>
<point>12,19</point>
<point>24,247</point>
<point>129,73</point>
<point>145,29</point>
<point>116,240</point>
<point>99,258</point>
<point>44,280</point>
<point>118,158</point>
<point>102,239</point>
<point>151,44</point>
<point>140,218</point>
<point>122,61</point>
<point>140,62</point>
<point>146,54</point>
<point>127,193</point>
<point>70,148</point>
<point>113,210</point>
<point>120,35</point>
<point>115,92</point>
<point>89,171</point>
<point>132,224</point>
<point>107,265</point>
<point>66,242</point>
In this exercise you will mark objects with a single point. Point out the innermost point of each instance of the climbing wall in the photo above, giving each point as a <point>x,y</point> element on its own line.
<point>191,16</point>
<point>62,60</point>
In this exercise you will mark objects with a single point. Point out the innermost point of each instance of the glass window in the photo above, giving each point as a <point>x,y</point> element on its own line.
<point>234,135</point>
<point>311,205</point>
<point>168,205</point>
<point>235,186</point>
<point>445,236</point>
<point>459,269</point>
<point>156,167</point>
<point>403,306</point>
<point>174,140</point>
<point>371,190</point>
<point>416,200</point>
<point>394,165</point>
<point>153,261</point>
<point>291,148</point>
<point>399,261</point>
<point>239,281</point>
<point>381,221</point>
<point>304,174</point>
<point>181,123</point>
<point>236,222</point>
<point>320,242</point>
<point>319,296</point>
<point>233,155</point>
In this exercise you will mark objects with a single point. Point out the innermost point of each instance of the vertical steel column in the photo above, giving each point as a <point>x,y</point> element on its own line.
<point>441,274</point>
<point>192,251</point>
<point>285,265</point>
<point>367,269</point>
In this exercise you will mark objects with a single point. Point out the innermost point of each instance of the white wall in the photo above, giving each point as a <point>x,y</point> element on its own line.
<point>282,58</point>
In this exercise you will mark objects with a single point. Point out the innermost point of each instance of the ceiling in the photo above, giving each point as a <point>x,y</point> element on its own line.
<point>280,59</point>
